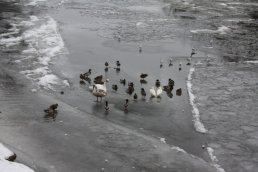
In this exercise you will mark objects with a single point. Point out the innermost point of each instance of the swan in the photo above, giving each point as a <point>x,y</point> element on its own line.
<point>99,90</point>
<point>156,92</point>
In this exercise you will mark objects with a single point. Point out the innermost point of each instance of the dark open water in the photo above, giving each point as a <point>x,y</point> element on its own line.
<point>35,57</point>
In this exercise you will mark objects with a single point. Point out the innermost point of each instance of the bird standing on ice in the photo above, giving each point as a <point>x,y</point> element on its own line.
<point>156,92</point>
<point>100,90</point>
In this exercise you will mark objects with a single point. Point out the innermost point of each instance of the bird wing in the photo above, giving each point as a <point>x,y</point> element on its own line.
<point>159,91</point>
<point>153,92</point>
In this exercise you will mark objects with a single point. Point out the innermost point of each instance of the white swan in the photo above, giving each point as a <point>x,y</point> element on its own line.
<point>99,90</point>
<point>156,92</point>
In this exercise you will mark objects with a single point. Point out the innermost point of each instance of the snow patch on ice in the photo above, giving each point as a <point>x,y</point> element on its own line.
<point>178,149</point>
<point>196,114</point>
<point>214,160</point>
<point>5,153</point>
<point>7,166</point>
<point>251,62</point>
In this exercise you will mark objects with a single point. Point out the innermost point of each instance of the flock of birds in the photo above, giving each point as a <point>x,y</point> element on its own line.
<point>99,88</point>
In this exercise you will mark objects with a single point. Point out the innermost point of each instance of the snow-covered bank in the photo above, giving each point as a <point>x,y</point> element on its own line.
<point>7,166</point>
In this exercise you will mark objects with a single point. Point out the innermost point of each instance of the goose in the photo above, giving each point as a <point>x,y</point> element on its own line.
<point>157,84</point>
<point>99,90</point>
<point>156,92</point>
<point>114,87</point>
<point>122,81</point>
<point>143,93</point>
<point>193,52</point>
<point>106,106</point>
<point>179,92</point>
<point>87,74</point>
<point>126,104</point>
<point>135,96</point>
<point>143,76</point>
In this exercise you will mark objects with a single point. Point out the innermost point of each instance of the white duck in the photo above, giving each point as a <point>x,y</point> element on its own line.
<point>156,92</point>
<point>99,90</point>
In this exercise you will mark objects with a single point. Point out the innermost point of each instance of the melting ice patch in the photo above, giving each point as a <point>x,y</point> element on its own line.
<point>196,114</point>
<point>221,30</point>
<point>44,44</point>
<point>35,2</point>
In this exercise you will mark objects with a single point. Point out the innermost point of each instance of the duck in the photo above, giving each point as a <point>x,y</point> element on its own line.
<point>156,92</point>
<point>118,64</point>
<point>188,61</point>
<point>143,81</point>
<point>106,64</point>
<point>99,90</point>
<point>82,82</point>
<point>157,84</point>
<point>87,74</point>
<point>170,62</point>
<point>143,76</point>
<point>130,84</point>
<point>51,108</point>
<point>126,104</point>
<point>106,106</point>
<point>161,64</point>
<point>122,81</point>
<point>100,77</point>
<point>135,96</point>
<point>180,65</point>
<point>114,87</point>
<point>167,88</point>
<point>140,48</point>
<point>130,90</point>
<point>171,83</point>
<point>179,92</point>
<point>169,94</point>
<point>193,52</point>
<point>82,76</point>
<point>143,93</point>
